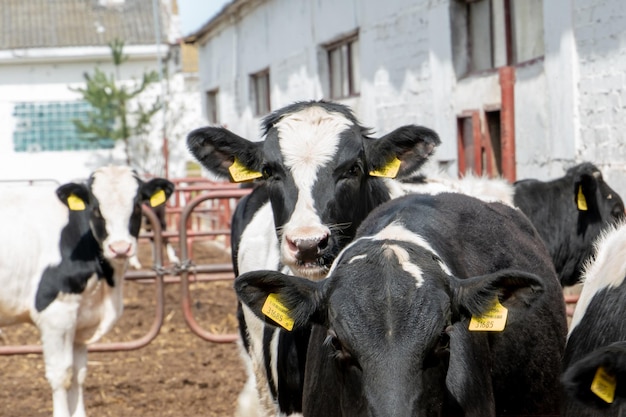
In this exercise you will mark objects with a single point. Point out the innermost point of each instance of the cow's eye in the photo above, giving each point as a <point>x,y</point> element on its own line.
<point>618,211</point>
<point>339,351</point>
<point>354,171</point>
<point>96,213</point>
<point>267,172</point>
<point>440,352</point>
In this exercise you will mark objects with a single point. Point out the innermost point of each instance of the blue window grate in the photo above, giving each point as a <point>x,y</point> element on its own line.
<point>48,126</point>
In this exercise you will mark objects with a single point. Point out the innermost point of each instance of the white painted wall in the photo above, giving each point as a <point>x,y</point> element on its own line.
<point>569,106</point>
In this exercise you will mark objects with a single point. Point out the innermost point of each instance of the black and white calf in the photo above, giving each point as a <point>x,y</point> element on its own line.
<point>321,174</point>
<point>570,213</point>
<point>64,253</point>
<point>392,324</point>
<point>597,323</point>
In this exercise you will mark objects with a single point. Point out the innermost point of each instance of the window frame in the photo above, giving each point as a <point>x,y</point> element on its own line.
<point>261,105</point>
<point>212,106</point>
<point>348,50</point>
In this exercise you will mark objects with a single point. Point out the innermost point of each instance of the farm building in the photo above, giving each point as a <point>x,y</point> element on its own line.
<point>45,50</point>
<point>522,89</point>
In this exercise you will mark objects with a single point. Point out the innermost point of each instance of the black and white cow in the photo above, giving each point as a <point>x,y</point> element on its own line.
<point>569,213</point>
<point>321,174</point>
<point>392,322</point>
<point>64,253</point>
<point>598,321</point>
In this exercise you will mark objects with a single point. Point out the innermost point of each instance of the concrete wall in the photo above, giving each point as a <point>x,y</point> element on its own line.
<point>569,105</point>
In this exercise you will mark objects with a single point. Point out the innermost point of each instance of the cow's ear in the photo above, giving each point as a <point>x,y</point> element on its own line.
<point>607,364</point>
<point>225,154</point>
<point>513,288</point>
<point>280,299</point>
<point>402,152</point>
<point>586,192</point>
<point>75,196</point>
<point>156,191</point>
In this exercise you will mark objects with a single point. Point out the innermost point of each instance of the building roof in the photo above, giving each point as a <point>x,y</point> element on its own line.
<point>67,23</point>
<point>234,9</point>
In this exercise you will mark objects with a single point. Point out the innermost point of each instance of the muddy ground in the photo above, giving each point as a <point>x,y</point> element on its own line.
<point>178,374</point>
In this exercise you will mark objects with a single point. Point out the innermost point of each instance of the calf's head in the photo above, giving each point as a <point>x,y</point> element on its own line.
<point>397,327</point>
<point>322,171</point>
<point>111,202</point>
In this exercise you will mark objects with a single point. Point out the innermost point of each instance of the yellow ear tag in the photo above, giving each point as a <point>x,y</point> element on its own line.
<point>493,320</point>
<point>580,199</point>
<point>275,310</point>
<point>388,171</point>
<point>157,198</point>
<point>603,385</point>
<point>240,173</point>
<point>75,203</point>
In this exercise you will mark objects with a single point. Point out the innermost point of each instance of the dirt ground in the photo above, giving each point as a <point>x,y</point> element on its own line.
<point>178,374</point>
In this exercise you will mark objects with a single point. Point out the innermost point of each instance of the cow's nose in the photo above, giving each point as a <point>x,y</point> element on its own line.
<point>308,249</point>
<point>120,248</point>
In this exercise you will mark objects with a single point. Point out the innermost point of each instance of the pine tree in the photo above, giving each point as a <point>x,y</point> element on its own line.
<point>116,113</point>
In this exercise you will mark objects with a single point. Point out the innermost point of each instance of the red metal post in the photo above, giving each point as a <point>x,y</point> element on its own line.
<point>507,121</point>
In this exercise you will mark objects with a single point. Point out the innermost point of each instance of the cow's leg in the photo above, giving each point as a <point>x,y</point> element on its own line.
<point>75,399</point>
<point>171,254</point>
<point>57,325</point>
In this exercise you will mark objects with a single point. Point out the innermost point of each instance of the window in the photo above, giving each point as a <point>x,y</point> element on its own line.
<point>261,92</point>
<point>211,106</point>
<point>48,126</point>
<point>499,32</point>
<point>343,66</point>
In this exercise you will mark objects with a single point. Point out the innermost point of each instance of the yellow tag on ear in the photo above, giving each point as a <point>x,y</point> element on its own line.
<point>603,385</point>
<point>75,203</point>
<point>275,310</point>
<point>581,202</point>
<point>157,198</point>
<point>240,173</point>
<point>388,171</point>
<point>493,320</point>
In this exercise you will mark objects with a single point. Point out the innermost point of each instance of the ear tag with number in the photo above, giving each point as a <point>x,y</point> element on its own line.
<point>581,202</point>
<point>388,171</point>
<point>240,173</point>
<point>603,385</point>
<point>493,320</point>
<point>75,203</point>
<point>157,198</point>
<point>275,310</point>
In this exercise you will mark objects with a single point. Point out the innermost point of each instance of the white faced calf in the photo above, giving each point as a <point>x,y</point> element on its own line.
<point>63,258</point>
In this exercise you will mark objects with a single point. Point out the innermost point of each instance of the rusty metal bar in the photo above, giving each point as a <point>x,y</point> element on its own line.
<point>158,319</point>
<point>185,295</point>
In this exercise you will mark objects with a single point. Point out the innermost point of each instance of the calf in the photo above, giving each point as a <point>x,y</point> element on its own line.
<point>63,258</point>
<point>569,214</point>
<point>321,174</point>
<point>598,321</point>
<point>392,323</point>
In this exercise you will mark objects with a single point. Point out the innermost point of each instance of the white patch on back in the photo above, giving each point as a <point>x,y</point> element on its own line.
<point>608,269</point>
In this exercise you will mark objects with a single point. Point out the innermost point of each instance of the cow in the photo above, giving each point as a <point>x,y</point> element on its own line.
<point>411,319</point>
<point>64,253</point>
<point>598,321</point>
<point>320,173</point>
<point>578,380</point>
<point>570,213</point>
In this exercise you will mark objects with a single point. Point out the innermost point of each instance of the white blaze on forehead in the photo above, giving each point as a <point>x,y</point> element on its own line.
<point>308,140</point>
<point>115,187</point>
<point>608,269</point>
<point>404,259</point>
<point>396,231</point>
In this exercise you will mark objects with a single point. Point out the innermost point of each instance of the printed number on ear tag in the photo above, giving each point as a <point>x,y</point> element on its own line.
<point>75,203</point>
<point>493,320</point>
<point>275,310</point>
<point>581,202</point>
<point>388,171</point>
<point>240,173</point>
<point>157,198</point>
<point>603,385</point>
